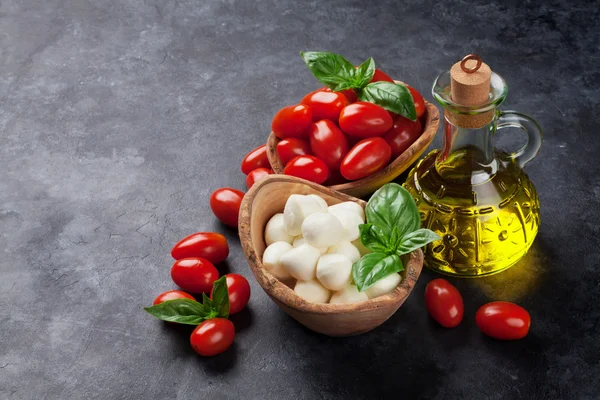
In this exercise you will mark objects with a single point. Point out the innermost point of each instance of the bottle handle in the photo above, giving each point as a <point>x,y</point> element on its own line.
<point>513,119</point>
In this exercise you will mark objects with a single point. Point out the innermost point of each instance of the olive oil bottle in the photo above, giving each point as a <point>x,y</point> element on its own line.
<point>477,199</point>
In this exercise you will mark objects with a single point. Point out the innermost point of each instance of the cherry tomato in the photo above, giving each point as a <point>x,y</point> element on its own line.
<point>503,320</point>
<point>310,168</point>
<point>325,105</point>
<point>362,119</point>
<point>444,303</point>
<point>349,94</point>
<point>402,135</point>
<point>257,158</point>
<point>212,337</point>
<point>291,121</point>
<point>368,156</point>
<point>418,99</point>
<point>209,245</point>
<point>290,148</point>
<point>328,143</point>
<point>194,274</point>
<point>380,76</point>
<point>256,175</point>
<point>172,295</point>
<point>225,204</point>
<point>239,292</point>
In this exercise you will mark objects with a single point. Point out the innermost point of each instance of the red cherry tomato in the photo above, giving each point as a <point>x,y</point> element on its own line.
<point>418,99</point>
<point>380,76</point>
<point>503,320</point>
<point>225,204</point>
<point>328,143</point>
<point>290,148</point>
<point>362,119</point>
<point>310,168</point>
<point>194,274</point>
<point>444,303</point>
<point>368,156</point>
<point>239,292</point>
<point>402,135</point>
<point>212,337</point>
<point>325,105</point>
<point>291,121</point>
<point>172,295</point>
<point>349,94</point>
<point>209,245</point>
<point>257,158</point>
<point>257,175</point>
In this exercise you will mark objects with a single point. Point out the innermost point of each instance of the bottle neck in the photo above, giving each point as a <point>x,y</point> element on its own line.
<point>467,156</point>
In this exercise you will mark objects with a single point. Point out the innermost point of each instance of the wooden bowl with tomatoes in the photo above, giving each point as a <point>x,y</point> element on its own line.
<point>328,135</point>
<point>266,198</point>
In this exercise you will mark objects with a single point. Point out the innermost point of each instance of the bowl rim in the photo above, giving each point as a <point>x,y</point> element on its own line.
<point>283,293</point>
<point>432,123</point>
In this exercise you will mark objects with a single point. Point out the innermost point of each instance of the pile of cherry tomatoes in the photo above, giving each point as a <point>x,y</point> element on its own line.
<point>194,271</point>
<point>331,138</point>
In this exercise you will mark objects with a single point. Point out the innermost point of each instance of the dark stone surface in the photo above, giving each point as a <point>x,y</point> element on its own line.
<point>119,118</point>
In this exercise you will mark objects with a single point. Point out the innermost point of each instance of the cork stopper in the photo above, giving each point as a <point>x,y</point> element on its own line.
<point>470,86</point>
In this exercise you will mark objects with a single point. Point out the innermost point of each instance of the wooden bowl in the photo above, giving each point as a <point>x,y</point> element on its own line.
<point>266,198</point>
<point>365,186</point>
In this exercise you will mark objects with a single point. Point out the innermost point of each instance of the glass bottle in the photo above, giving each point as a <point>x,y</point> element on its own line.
<point>477,198</point>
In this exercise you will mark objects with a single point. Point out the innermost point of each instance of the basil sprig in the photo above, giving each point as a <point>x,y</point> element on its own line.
<point>392,229</point>
<point>337,73</point>
<point>191,312</point>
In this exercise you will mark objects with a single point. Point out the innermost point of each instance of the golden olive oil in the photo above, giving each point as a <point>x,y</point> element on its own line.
<point>484,227</point>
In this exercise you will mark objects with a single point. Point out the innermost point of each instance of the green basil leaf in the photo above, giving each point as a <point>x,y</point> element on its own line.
<point>220,297</point>
<point>364,73</point>
<point>330,68</point>
<point>183,311</point>
<point>393,97</point>
<point>343,86</point>
<point>373,238</point>
<point>392,206</point>
<point>414,240</point>
<point>373,267</point>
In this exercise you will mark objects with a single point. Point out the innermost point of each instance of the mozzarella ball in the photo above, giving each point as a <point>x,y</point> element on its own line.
<point>274,231</point>
<point>345,248</point>
<point>349,206</point>
<point>350,221</point>
<point>296,209</point>
<point>322,230</point>
<point>272,259</point>
<point>384,285</point>
<point>361,247</point>
<point>349,294</point>
<point>334,270</point>
<point>320,200</point>
<point>301,262</point>
<point>312,291</point>
<point>298,240</point>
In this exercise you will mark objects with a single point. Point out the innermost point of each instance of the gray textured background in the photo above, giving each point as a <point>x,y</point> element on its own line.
<point>118,119</point>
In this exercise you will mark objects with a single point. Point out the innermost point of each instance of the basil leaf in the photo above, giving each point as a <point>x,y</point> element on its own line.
<point>373,238</point>
<point>183,311</point>
<point>343,86</point>
<point>329,68</point>
<point>392,206</point>
<point>364,73</point>
<point>373,267</point>
<point>220,297</point>
<point>393,97</point>
<point>414,240</point>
